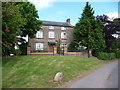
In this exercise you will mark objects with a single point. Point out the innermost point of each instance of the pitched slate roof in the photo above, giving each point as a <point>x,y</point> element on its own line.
<point>53,23</point>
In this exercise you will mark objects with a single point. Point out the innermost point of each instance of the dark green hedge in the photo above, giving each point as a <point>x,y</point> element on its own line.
<point>117,52</point>
<point>105,56</point>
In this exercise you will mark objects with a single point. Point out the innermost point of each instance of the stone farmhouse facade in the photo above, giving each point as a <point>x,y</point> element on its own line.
<point>51,31</point>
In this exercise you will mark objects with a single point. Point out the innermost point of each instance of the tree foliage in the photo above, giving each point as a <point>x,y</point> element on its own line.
<point>32,25</point>
<point>18,18</point>
<point>116,44</point>
<point>12,20</point>
<point>109,28</point>
<point>88,31</point>
<point>58,42</point>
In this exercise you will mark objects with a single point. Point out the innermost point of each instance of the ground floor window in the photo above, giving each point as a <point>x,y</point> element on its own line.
<point>63,44</point>
<point>39,46</point>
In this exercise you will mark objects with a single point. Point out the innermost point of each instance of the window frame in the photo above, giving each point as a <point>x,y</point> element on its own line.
<point>63,28</point>
<point>36,46</point>
<point>51,27</point>
<point>49,36</point>
<point>63,44</point>
<point>40,34</point>
<point>63,36</point>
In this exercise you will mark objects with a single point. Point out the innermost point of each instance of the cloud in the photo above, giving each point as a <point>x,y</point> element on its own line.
<point>42,4</point>
<point>112,15</point>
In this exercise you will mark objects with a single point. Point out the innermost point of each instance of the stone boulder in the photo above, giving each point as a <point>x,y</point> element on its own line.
<point>58,77</point>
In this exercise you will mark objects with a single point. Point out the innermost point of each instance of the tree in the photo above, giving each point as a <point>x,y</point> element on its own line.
<point>88,31</point>
<point>32,25</point>
<point>12,20</point>
<point>29,12</point>
<point>116,44</point>
<point>19,18</point>
<point>109,28</point>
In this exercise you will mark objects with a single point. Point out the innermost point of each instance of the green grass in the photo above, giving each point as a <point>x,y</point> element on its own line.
<point>38,71</point>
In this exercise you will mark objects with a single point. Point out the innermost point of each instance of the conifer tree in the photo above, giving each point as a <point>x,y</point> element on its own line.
<point>88,31</point>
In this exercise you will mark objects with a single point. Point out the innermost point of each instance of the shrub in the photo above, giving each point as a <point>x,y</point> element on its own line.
<point>23,48</point>
<point>105,56</point>
<point>116,51</point>
<point>118,54</point>
<point>17,52</point>
<point>111,56</point>
<point>44,50</point>
<point>58,46</point>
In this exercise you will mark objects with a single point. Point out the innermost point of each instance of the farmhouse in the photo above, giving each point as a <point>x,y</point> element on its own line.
<point>51,31</point>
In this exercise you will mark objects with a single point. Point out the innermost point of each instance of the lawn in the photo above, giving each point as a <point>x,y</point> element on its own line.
<point>38,71</point>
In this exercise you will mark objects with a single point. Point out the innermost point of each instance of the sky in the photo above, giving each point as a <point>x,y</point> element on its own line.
<point>50,10</point>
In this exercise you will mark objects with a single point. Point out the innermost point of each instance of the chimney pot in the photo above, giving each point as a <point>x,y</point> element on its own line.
<point>68,20</point>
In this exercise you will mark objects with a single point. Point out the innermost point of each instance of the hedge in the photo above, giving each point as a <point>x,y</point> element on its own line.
<point>117,52</point>
<point>105,56</point>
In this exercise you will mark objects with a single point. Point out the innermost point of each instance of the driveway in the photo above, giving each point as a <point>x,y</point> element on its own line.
<point>104,77</point>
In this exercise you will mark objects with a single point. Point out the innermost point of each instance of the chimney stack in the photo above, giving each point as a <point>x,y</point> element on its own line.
<point>68,20</point>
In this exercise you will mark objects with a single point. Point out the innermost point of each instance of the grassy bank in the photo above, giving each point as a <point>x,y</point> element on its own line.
<point>38,71</point>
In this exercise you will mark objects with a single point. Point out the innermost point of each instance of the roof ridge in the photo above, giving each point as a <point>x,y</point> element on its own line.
<point>54,21</point>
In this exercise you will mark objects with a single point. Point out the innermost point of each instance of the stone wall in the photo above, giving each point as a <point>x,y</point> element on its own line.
<point>42,53</point>
<point>57,31</point>
<point>75,53</point>
<point>83,54</point>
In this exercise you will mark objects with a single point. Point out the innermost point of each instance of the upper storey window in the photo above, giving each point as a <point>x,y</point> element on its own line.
<point>51,27</point>
<point>63,35</point>
<point>39,34</point>
<point>63,28</point>
<point>51,34</point>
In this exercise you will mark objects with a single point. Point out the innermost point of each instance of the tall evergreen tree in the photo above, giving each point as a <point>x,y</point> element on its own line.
<point>88,31</point>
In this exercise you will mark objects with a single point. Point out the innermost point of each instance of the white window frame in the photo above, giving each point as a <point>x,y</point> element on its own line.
<point>63,44</point>
<point>63,28</point>
<point>63,36</point>
<point>39,46</point>
<point>39,34</point>
<point>51,34</point>
<point>51,27</point>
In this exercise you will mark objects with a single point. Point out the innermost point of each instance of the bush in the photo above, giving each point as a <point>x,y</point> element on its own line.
<point>118,54</point>
<point>37,51</point>
<point>105,56</point>
<point>116,51</point>
<point>23,48</point>
<point>58,46</point>
<point>17,52</point>
<point>45,50</point>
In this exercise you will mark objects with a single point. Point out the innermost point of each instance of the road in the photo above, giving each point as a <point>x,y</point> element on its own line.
<point>104,77</point>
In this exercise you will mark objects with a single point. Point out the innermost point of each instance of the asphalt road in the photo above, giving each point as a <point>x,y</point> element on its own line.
<point>104,77</point>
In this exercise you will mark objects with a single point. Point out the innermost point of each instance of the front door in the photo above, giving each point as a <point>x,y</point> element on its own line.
<point>51,48</point>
